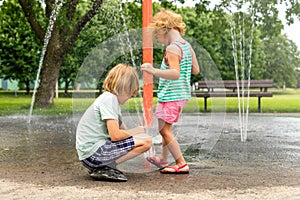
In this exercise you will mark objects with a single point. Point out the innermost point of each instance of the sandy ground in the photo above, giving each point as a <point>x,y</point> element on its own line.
<point>11,190</point>
<point>39,161</point>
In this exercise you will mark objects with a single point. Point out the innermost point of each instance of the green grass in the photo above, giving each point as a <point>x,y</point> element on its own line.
<point>287,101</point>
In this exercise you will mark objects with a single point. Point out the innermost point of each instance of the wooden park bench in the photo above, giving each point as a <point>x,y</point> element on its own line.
<point>228,88</point>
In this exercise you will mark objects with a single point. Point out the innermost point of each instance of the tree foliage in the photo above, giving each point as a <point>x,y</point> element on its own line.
<point>81,26</point>
<point>19,49</point>
<point>260,18</point>
<point>72,18</point>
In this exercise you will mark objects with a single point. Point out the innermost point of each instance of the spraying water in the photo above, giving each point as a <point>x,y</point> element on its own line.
<point>149,130</point>
<point>240,61</point>
<point>55,11</point>
<point>127,36</point>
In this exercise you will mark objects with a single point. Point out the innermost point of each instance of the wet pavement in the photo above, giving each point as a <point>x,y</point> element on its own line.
<point>43,153</point>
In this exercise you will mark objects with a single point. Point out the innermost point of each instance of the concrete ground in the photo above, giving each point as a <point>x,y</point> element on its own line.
<point>39,161</point>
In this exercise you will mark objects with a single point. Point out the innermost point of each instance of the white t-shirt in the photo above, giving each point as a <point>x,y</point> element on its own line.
<point>92,131</point>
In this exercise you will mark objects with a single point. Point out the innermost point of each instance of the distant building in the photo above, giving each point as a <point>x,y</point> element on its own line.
<point>8,84</point>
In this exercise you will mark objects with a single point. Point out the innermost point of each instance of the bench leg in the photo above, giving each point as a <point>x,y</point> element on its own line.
<point>205,104</point>
<point>259,110</point>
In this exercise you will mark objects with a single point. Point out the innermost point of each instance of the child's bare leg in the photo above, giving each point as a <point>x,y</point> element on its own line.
<point>142,143</point>
<point>165,151</point>
<point>170,143</point>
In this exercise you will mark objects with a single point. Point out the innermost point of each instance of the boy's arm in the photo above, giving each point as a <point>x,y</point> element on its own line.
<point>116,134</point>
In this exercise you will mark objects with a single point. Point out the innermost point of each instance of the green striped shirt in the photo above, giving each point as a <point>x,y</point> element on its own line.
<point>173,90</point>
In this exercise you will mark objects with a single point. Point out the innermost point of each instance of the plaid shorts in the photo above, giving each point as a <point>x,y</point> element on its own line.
<point>108,153</point>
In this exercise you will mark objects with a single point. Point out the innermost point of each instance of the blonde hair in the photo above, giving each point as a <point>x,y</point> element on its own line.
<point>166,20</point>
<point>122,79</point>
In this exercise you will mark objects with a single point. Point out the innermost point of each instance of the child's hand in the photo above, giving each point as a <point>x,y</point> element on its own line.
<point>138,130</point>
<point>147,67</point>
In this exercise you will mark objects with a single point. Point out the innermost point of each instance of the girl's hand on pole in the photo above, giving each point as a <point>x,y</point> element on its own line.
<point>147,67</point>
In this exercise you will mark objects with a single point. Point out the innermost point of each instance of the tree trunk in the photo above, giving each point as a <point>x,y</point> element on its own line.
<point>50,72</point>
<point>27,83</point>
<point>49,76</point>
<point>66,87</point>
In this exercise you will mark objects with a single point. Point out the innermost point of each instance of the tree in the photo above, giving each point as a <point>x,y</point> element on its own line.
<point>93,56</point>
<point>19,49</point>
<point>267,36</point>
<point>65,32</point>
<point>282,58</point>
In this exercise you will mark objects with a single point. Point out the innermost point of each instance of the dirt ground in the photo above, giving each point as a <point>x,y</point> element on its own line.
<point>39,161</point>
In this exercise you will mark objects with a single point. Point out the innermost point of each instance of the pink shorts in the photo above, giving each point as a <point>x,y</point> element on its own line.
<point>169,111</point>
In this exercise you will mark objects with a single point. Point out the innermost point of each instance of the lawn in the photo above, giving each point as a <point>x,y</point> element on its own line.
<point>282,101</point>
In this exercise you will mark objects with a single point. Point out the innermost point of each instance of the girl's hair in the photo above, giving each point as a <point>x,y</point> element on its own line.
<point>122,79</point>
<point>166,20</point>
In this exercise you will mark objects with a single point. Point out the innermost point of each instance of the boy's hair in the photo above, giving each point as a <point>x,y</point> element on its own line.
<point>122,79</point>
<point>166,20</point>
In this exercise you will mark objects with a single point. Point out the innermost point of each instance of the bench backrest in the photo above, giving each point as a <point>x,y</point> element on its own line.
<point>232,84</point>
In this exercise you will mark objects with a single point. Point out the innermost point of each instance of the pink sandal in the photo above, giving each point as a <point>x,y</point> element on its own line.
<point>175,169</point>
<point>154,160</point>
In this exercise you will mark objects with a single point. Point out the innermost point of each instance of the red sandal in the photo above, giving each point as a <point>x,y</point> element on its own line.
<point>154,160</point>
<point>175,169</point>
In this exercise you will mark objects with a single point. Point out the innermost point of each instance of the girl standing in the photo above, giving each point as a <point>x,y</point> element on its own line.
<point>178,64</point>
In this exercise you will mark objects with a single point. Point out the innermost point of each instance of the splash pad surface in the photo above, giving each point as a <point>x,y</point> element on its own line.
<point>40,161</point>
